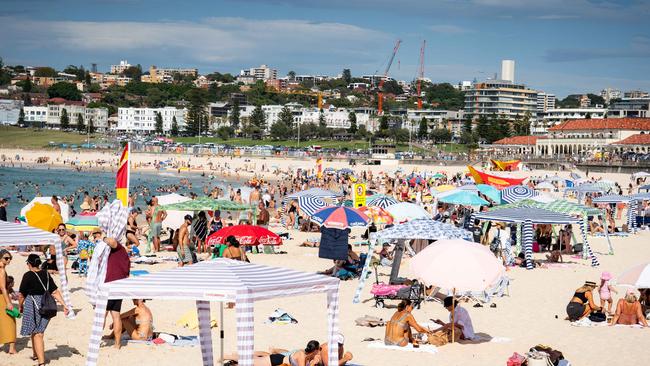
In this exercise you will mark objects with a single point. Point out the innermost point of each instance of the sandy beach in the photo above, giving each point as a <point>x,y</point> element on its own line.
<point>532,313</point>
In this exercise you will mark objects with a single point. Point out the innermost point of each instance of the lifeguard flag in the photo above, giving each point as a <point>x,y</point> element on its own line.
<point>493,180</point>
<point>123,176</point>
<point>319,167</point>
<point>505,166</point>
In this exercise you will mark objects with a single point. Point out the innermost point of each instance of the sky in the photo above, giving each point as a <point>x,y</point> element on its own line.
<point>560,46</point>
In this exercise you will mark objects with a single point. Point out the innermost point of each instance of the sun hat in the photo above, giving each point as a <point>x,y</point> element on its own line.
<point>590,283</point>
<point>339,338</point>
<point>606,276</point>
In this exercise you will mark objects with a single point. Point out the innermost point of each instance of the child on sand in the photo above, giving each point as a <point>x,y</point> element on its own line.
<point>605,291</point>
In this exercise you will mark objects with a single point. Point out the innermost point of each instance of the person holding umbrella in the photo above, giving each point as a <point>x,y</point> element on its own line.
<point>461,320</point>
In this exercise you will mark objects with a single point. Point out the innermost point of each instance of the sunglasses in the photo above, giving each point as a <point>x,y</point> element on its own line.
<point>7,258</point>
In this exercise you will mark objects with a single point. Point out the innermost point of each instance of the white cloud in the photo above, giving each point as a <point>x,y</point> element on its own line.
<point>448,29</point>
<point>556,17</point>
<point>210,40</point>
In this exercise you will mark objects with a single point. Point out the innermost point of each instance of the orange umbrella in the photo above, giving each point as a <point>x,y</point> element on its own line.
<point>43,217</point>
<point>377,214</point>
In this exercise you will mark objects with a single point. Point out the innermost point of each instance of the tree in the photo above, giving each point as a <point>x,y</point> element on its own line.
<point>292,75</point>
<point>234,115</point>
<point>282,129</point>
<point>196,112</point>
<point>133,72</point>
<point>91,126</point>
<point>521,126</point>
<point>362,132</point>
<point>352,118</point>
<point>27,100</point>
<point>391,86</point>
<point>440,135</point>
<point>258,118</point>
<point>383,123</point>
<point>467,124</point>
<point>483,127</point>
<point>47,72</point>
<point>64,119</point>
<point>159,123</point>
<point>21,117</point>
<point>423,129</point>
<point>81,126</point>
<point>347,76</point>
<point>174,131</point>
<point>225,132</point>
<point>444,96</point>
<point>26,85</point>
<point>87,79</point>
<point>64,90</point>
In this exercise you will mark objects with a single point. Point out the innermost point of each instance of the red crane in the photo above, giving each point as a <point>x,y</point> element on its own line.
<point>421,74</point>
<point>380,94</point>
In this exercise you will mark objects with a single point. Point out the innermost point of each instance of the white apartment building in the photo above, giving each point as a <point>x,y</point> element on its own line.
<point>98,115</point>
<point>334,118</point>
<point>143,120</point>
<point>118,69</point>
<point>263,72</point>
<point>436,118</point>
<point>545,102</point>
<point>609,94</point>
<point>35,115</point>
<point>501,98</point>
<point>10,111</point>
<point>554,117</point>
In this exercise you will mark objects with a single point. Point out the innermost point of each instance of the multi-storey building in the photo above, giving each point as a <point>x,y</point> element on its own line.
<point>436,118</point>
<point>545,101</point>
<point>74,109</point>
<point>35,115</point>
<point>630,107</point>
<point>118,69</point>
<point>608,94</point>
<point>554,117</point>
<point>501,98</point>
<point>143,120</point>
<point>159,75</point>
<point>10,111</point>
<point>633,94</point>
<point>263,72</point>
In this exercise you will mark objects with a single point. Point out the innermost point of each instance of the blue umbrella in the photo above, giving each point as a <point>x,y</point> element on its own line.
<point>464,198</point>
<point>516,193</point>
<point>310,204</point>
<point>340,217</point>
<point>381,201</point>
<point>490,192</point>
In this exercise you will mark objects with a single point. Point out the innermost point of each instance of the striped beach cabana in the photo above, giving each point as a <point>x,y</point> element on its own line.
<point>632,205</point>
<point>221,280</point>
<point>565,207</point>
<point>527,216</point>
<point>12,234</point>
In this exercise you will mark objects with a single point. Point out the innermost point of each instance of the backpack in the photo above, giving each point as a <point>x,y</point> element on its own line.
<point>47,308</point>
<point>496,243</point>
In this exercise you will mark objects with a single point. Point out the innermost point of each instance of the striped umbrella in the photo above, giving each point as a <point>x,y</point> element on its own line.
<point>516,193</point>
<point>382,201</point>
<point>310,204</point>
<point>82,223</point>
<point>637,276</point>
<point>335,217</point>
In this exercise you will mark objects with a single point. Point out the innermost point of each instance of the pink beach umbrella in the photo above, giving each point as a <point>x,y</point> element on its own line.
<point>637,276</point>
<point>457,265</point>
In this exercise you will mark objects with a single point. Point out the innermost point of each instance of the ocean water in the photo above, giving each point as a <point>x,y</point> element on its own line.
<point>23,184</point>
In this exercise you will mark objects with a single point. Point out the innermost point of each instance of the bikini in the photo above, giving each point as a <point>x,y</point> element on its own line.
<point>401,322</point>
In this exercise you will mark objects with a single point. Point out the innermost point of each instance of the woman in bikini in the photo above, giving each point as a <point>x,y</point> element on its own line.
<point>138,322</point>
<point>233,251</point>
<point>398,328</point>
<point>629,311</point>
<point>582,302</point>
<point>310,356</point>
<point>132,228</point>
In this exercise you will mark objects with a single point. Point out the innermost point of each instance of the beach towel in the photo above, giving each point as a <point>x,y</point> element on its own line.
<point>585,322</point>
<point>280,316</point>
<point>190,320</point>
<point>424,348</point>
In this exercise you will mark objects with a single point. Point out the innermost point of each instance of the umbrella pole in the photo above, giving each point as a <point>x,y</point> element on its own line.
<point>221,330</point>
<point>453,315</point>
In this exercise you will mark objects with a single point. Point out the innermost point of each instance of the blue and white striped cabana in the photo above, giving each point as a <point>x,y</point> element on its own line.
<point>630,201</point>
<point>526,217</point>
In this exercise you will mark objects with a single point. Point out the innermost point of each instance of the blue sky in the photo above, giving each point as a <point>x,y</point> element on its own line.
<point>560,46</point>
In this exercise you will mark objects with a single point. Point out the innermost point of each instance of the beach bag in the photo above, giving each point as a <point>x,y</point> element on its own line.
<point>577,248</point>
<point>516,360</point>
<point>536,358</point>
<point>554,355</point>
<point>597,317</point>
<point>438,338</point>
<point>47,308</point>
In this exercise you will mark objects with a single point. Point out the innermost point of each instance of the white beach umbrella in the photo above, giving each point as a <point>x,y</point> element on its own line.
<point>174,219</point>
<point>405,211</point>
<point>637,276</point>
<point>65,209</point>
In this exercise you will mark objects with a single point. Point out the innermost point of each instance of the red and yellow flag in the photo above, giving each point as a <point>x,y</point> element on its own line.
<point>493,180</point>
<point>123,176</point>
<point>319,167</point>
<point>505,166</point>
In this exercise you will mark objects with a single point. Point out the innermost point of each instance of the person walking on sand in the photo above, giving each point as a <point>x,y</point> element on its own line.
<point>183,249</point>
<point>7,322</point>
<point>157,217</point>
<point>117,268</point>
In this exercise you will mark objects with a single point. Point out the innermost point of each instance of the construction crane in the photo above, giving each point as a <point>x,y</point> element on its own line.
<point>380,93</point>
<point>421,74</point>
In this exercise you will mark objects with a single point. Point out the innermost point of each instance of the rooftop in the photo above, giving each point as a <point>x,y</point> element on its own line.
<point>641,124</point>
<point>638,139</point>
<point>519,140</point>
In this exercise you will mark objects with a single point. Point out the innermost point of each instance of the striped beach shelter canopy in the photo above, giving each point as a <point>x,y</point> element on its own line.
<point>414,229</point>
<point>527,216</point>
<point>221,280</point>
<point>315,192</point>
<point>12,234</point>
<point>631,201</point>
<point>206,204</point>
<point>585,188</point>
<point>517,193</point>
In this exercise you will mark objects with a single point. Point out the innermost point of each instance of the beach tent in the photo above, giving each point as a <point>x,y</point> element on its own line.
<point>585,188</point>
<point>65,209</point>
<point>415,229</point>
<point>631,208</point>
<point>12,234</point>
<point>565,207</point>
<point>221,280</point>
<point>527,216</point>
<point>174,218</point>
<point>316,192</point>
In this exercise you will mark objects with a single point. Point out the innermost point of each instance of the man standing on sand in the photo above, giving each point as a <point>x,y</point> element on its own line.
<point>3,209</point>
<point>117,268</point>
<point>254,196</point>
<point>183,249</point>
<point>157,217</point>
